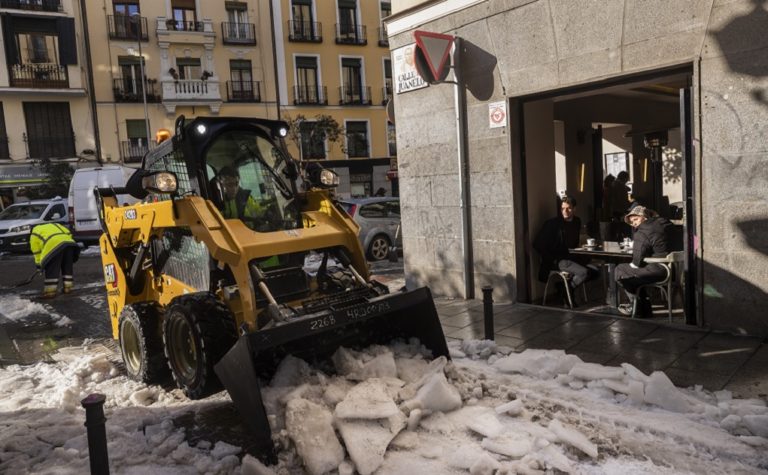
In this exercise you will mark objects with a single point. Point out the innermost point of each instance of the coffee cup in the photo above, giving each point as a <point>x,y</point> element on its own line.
<point>591,242</point>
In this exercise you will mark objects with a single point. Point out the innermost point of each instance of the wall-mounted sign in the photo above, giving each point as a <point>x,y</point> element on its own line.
<point>497,114</point>
<point>406,76</point>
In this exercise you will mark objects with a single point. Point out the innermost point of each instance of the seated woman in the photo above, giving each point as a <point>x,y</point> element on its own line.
<point>650,240</point>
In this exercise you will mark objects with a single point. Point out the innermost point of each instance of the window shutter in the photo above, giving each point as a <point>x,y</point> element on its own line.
<point>67,42</point>
<point>347,4</point>
<point>240,64</point>
<point>9,39</point>
<point>350,62</point>
<point>306,62</point>
<point>136,129</point>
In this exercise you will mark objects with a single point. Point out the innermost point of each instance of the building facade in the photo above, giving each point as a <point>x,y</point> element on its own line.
<point>200,58</point>
<point>44,110</point>
<point>559,94</point>
<point>333,61</point>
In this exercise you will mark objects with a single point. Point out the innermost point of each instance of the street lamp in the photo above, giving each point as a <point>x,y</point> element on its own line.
<point>136,18</point>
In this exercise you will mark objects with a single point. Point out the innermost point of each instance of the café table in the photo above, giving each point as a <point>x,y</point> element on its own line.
<point>610,254</point>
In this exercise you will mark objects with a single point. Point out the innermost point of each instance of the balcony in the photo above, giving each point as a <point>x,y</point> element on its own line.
<point>303,95</point>
<point>305,31</point>
<point>351,34</point>
<point>354,96</point>
<point>386,94</point>
<point>39,76</point>
<point>243,91</point>
<point>191,92</point>
<point>131,152</point>
<point>34,5</point>
<point>383,38</point>
<point>179,25</point>
<point>62,146</point>
<point>238,33</point>
<point>129,90</point>
<point>170,31</point>
<point>122,28</point>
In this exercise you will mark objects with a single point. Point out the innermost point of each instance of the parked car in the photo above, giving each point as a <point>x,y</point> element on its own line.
<point>17,221</point>
<point>83,216</point>
<point>379,219</point>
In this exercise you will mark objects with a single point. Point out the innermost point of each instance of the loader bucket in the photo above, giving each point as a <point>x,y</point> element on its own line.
<point>316,337</point>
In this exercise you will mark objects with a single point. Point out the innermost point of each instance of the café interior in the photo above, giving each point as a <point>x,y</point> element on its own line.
<point>571,140</point>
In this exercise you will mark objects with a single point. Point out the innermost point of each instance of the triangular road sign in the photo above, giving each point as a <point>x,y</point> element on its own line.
<point>436,48</point>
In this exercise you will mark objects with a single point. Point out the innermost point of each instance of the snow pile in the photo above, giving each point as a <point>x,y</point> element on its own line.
<point>393,409</point>
<point>16,308</point>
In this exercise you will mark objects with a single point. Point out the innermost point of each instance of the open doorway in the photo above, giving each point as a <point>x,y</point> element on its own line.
<point>610,146</point>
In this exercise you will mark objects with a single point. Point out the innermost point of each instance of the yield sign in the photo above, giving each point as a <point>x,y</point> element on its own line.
<point>436,48</point>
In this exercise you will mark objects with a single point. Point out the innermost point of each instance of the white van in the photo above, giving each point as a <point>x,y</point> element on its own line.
<point>83,216</point>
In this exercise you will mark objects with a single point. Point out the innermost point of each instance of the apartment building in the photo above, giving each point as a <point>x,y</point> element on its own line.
<point>44,109</point>
<point>333,60</point>
<point>200,58</point>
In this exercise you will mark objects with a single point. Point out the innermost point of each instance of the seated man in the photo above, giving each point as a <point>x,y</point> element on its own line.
<point>238,203</point>
<point>553,241</point>
<point>650,240</point>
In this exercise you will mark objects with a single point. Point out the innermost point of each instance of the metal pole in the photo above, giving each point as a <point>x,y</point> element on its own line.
<point>461,144</point>
<point>97,433</point>
<point>488,311</point>
<point>137,18</point>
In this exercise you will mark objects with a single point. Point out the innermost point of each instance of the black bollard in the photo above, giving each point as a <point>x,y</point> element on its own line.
<point>488,311</point>
<point>97,433</point>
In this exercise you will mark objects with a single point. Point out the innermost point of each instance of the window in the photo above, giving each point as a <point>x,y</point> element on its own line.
<point>387,80</point>
<point>242,80</point>
<point>184,16</point>
<point>302,12</point>
<point>188,68</point>
<point>348,29</point>
<point>357,139</point>
<point>238,27</point>
<point>374,210</point>
<point>55,209</point>
<point>307,80</point>
<point>38,48</point>
<point>352,81</point>
<point>49,129</point>
<point>137,132</point>
<point>130,75</point>
<point>391,140</point>
<point>124,26</point>
<point>312,141</point>
<point>386,9</point>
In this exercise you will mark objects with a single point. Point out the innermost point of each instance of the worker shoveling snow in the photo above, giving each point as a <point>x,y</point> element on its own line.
<point>391,410</point>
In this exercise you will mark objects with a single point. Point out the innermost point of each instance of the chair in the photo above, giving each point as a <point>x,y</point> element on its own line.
<point>665,285</point>
<point>565,277</point>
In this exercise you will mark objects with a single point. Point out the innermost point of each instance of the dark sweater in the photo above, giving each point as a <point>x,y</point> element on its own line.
<point>554,240</point>
<point>651,240</point>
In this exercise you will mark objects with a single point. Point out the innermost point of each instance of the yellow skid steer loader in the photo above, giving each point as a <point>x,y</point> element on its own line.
<point>234,259</point>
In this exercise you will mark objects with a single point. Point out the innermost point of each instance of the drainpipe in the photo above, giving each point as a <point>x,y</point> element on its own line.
<point>89,72</point>
<point>460,105</point>
<point>274,56</point>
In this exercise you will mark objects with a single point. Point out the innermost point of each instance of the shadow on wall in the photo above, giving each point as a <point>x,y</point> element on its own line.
<point>726,294</point>
<point>448,287</point>
<point>731,39</point>
<point>478,67</point>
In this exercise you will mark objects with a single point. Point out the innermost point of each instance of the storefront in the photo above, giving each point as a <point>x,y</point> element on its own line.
<point>670,92</point>
<point>15,179</point>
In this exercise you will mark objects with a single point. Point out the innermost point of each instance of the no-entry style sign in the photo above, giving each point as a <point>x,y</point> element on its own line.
<point>434,48</point>
<point>497,114</point>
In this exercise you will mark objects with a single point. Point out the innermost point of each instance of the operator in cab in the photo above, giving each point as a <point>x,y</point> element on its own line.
<point>238,202</point>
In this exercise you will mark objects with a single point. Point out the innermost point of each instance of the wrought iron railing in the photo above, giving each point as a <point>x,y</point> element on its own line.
<point>40,76</point>
<point>238,33</point>
<point>50,146</point>
<point>348,34</point>
<point>36,5</point>
<point>179,25</point>
<point>305,31</point>
<point>310,95</point>
<point>243,91</point>
<point>124,27</point>
<point>383,38</point>
<point>354,95</point>
<point>386,94</point>
<point>133,152</point>
<point>129,90</point>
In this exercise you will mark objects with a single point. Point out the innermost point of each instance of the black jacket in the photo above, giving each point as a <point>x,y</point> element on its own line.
<point>651,239</point>
<point>551,243</point>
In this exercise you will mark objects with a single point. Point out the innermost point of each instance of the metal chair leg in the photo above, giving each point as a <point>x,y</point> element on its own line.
<point>567,291</point>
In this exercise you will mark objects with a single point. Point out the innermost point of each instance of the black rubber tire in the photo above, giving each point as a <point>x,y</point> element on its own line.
<point>378,249</point>
<point>141,343</point>
<point>198,330</point>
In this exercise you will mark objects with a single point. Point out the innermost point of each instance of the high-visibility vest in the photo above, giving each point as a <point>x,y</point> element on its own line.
<point>47,239</point>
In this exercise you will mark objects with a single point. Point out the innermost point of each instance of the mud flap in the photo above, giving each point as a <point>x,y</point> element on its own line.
<point>314,338</point>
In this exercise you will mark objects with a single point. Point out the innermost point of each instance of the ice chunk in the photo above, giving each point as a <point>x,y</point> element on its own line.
<point>435,366</point>
<point>660,391</point>
<point>252,466</point>
<point>552,457</point>
<point>336,391</point>
<point>512,408</point>
<point>731,422</point>
<point>634,373</point>
<point>484,465</point>
<point>382,366</point>
<point>310,427</point>
<point>544,364</point>
<point>346,468</point>
<point>222,449</point>
<point>573,437</point>
<point>592,371</point>
<point>616,386</point>
<point>438,395</point>
<point>757,424</point>
<point>291,371</point>
<point>463,456</point>
<point>367,441</point>
<point>367,400</point>
<point>478,348</point>
<point>511,445</point>
<point>143,397</point>
<point>345,362</point>
<point>636,391</point>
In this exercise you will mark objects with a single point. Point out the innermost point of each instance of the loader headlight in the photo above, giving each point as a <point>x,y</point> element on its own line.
<point>320,177</point>
<point>160,182</point>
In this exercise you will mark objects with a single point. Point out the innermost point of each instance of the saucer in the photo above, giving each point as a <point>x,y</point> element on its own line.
<point>590,248</point>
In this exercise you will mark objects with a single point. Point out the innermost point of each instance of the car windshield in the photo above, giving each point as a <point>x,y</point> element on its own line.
<point>22,212</point>
<point>247,169</point>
